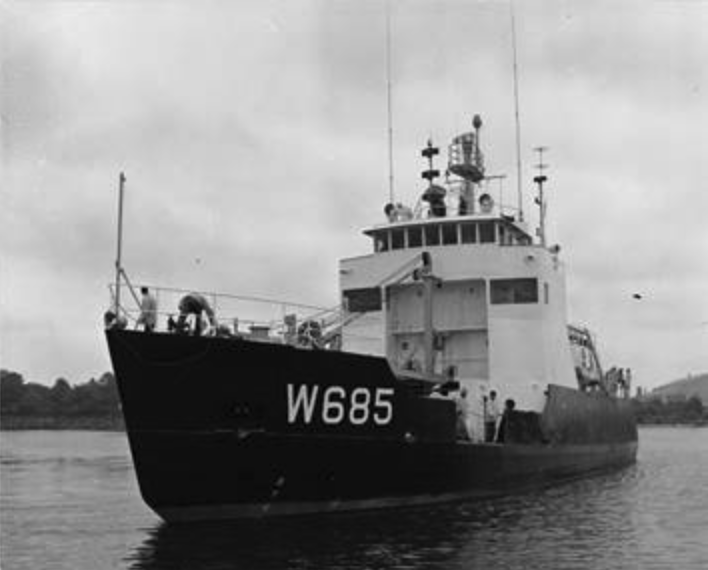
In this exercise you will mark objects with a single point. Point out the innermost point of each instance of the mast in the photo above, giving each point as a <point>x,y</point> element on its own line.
<point>428,279</point>
<point>388,102</point>
<point>519,197</point>
<point>119,269</point>
<point>540,199</point>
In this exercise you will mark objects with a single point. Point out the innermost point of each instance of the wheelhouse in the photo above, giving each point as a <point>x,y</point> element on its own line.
<point>459,231</point>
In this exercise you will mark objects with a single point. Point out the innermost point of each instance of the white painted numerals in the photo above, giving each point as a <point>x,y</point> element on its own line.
<point>358,407</point>
<point>383,404</point>
<point>332,406</point>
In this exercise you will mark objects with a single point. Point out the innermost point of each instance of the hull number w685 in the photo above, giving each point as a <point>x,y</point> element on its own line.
<point>335,404</point>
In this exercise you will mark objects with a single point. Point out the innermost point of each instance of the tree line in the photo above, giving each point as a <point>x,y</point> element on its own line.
<point>93,399</point>
<point>98,399</point>
<point>653,410</point>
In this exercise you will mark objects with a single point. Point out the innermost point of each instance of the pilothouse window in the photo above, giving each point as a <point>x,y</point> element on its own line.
<point>381,242</point>
<point>449,234</point>
<point>514,291</point>
<point>398,239</point>
<point>432,235</point>
<point>487,233</point>
<point>415,237</point>
<point>469,233</point>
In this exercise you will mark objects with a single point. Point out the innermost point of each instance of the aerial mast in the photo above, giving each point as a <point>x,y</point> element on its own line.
<point>519,197</point>
<point>389,103</point>
<point>540,199</point>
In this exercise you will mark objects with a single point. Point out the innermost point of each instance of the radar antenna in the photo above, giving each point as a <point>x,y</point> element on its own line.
<point>434,195</point>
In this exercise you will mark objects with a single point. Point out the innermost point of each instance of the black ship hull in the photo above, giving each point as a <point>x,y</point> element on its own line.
<point>227,428</point>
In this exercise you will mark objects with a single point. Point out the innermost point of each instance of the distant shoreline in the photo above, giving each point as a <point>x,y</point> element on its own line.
<point>698,424</point>
<point>92,423</point>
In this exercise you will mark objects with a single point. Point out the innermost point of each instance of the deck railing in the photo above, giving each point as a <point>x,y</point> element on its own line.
<point>455,188</point>
<point>256,317</point>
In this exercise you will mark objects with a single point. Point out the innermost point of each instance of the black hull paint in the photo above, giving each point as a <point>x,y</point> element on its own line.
<point>207,422</point>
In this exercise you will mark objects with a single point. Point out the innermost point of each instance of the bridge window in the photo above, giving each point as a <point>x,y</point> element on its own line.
<point>398,239</point>
<point>381,242</point>
<point>487,232</point>
<point>469,232</point>
<point>363,300</point>
<point>506,237</point>
<point>449,234</point>
<point>415,237</point>
<point>432,234</point>
<point>514,291</point>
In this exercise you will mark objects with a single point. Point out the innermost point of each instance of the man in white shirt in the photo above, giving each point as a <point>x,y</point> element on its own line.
<point>463,412</point>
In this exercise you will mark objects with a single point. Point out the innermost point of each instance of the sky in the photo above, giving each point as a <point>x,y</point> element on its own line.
<point>253,135</point>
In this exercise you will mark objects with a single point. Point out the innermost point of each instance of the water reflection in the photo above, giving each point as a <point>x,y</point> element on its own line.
<point>70,501</point>
<point>586,524</point>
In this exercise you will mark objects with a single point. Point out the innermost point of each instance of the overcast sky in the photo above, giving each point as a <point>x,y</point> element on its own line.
<point>253,136</point>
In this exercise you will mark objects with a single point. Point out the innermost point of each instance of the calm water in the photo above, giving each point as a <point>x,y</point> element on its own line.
<point>70,501</point>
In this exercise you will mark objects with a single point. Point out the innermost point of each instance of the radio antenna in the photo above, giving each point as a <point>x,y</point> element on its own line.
<point>388,101</point>
<point>540,199</point>
<point>516,115</point>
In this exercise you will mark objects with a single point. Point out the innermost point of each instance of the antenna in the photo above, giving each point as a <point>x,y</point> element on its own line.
<point>429,152</point>
<point>388,101</point>
<point>516,115</point>
<point>540,200</point>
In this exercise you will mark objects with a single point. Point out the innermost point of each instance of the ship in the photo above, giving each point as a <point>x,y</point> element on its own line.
<point>448,371</point>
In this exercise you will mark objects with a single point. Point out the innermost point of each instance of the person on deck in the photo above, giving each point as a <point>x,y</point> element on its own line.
<point>463,412</point>
<point>505,425</point>
<point>148,311</point>
<point>195,304</point>
<point>491,416</point>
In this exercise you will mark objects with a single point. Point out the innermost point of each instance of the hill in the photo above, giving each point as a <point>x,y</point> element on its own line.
<point>684,388</point>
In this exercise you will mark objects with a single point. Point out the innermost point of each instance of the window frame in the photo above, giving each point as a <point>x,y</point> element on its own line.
<point>450,226</point>
<point>409,231</point>
<point>383,237</point>
<point>397,233</point>
<point>473,234</point>
<point>511,291</point>
<point>486,225</point>
<point>428,230</point>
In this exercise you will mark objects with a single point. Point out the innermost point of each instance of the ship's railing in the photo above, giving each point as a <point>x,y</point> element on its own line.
<point>454,205</point>
<point>259,318</point>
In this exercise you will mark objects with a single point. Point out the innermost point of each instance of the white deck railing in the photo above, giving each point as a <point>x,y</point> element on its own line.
<point>241,315</point>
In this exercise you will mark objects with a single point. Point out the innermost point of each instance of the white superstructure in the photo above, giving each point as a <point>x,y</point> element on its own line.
<point>497,312</point>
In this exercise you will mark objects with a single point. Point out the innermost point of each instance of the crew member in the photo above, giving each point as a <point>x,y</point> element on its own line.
<point>491,416</point>
<point>506,421</point>
<point>463,412</point>
<point>486,203</point>
<point>148,311</point>
<point>195,304</point>
<point>113,321</point>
